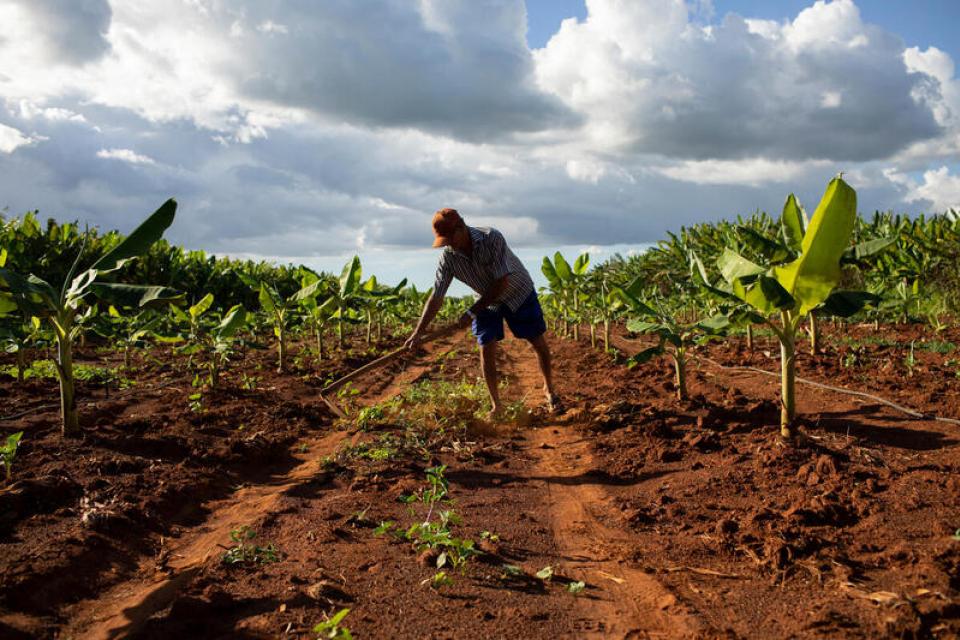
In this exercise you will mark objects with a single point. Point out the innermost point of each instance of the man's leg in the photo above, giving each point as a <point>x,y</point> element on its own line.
<point>488,362</point>
<point>542,350</point>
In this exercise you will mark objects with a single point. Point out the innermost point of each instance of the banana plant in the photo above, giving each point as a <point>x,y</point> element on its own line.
<point>66,309</point>
<point>376,300</point>
<point>279,310</point>
<point>18,336</point>
<point>802,271</point>
<point>8,452</point>
<point>213,341</point>
<point>607,306</point>
<point>317,314</point>
<point>567,284</point>
<point>125,331</point>
<point>346,296</point>
<point>675,338</point>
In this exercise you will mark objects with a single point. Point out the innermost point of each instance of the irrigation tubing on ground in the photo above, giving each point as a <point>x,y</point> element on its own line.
<point>861,394</point>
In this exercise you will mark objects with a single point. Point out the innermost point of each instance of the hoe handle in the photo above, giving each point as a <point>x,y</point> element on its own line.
<point>390,357</point>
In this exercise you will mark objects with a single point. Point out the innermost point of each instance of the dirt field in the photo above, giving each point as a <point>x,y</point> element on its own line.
<point>682,520</point>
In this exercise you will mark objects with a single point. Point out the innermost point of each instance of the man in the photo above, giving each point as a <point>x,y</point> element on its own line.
<point>481,259</point>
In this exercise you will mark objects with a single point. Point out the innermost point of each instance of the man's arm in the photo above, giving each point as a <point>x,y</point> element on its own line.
<point>430,310</point>
<point>432,306</point>
<point>491,295</point>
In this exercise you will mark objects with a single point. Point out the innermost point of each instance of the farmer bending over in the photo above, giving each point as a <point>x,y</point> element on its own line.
<point>480,258</point>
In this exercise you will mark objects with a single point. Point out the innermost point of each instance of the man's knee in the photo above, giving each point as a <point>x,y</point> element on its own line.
<point>540,344</point>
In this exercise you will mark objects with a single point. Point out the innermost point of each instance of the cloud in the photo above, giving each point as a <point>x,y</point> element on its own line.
<point>455,67</point>
<point>304,129</point>
<point>940,189</point>
<point>752,171</point>
<point>824,86</point>
<point>11,139</point>
<point>72,32</point>
<point>126,155</point>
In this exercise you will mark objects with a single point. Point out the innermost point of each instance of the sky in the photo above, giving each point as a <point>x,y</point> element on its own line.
<point>306,132</point>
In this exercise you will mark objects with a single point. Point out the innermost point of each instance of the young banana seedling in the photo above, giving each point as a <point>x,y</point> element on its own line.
<point>68,308</point>
<point>801,272</point>
<point>675,338</point>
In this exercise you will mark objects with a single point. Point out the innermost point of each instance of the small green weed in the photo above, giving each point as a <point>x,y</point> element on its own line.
<point>910,361</point>
<point>545,574</point>
<point>369,415</point>
<point>195,402</point>
<point>938,346</point>
<point>8,451</point>
<point>331,627</point>
<point>244,552</point>
<point>440,579</point>
<point>47,370</point>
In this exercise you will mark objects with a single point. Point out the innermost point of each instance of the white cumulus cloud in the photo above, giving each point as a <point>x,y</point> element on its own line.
<point>11,139</point>
<point>126,155</point>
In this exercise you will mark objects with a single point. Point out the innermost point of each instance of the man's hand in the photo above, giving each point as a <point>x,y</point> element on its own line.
<point>412,342</point>
<point>465,321</point>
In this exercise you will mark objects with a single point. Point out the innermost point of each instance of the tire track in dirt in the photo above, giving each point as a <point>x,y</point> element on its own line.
<point>123,610</point>
<point>622,600</point>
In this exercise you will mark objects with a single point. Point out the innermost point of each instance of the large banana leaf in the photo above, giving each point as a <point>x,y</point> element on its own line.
<point>550,272</point>
<point>792,223</point>
<point>763,293</point>
<point>866,249</point>
<point>698,273</point>
<point>733,266</point>
<point>135,295</point>
<point>811,277</point>
<point>201,307</point>
<point>772,251</point>
<point>135,244</point>
<point>7,304</point>
<point>311,288</point>
<point>581,264</point>
<point>846,303</point>
<point>634,303</point>
<point>232,322</point>
<point>645,356</point>
<point>267,299</point>
<point>350,277</point>
<point>563,267</point>
<point>31,294</point>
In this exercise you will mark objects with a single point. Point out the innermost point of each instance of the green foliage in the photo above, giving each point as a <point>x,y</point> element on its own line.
<point>795,277</point>
<point>68,308</point>
<point>567,287</point>
<point>8,451</point>
<point>545,574</point>
<point>243,551</point>
<point>209,335</point>
<point>332,629</point>
<point>47,370</point>
<point>674,337</point>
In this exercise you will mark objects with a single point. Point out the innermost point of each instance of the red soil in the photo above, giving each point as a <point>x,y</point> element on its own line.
<point>682,519</point>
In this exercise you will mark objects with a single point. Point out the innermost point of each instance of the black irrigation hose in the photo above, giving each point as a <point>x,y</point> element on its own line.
<point>892,405</point>
<point>119,394</point>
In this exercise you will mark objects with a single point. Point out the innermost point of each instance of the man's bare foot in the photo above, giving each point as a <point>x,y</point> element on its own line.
<point>554,405</point>
<point>495,414</point>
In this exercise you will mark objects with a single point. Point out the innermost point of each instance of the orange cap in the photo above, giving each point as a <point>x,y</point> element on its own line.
<point>445,223</point>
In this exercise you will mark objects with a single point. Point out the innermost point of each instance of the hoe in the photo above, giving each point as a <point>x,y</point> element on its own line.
<point>397,354</point>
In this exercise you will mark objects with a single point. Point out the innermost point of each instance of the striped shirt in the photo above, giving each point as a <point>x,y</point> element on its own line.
<point>490,260</point>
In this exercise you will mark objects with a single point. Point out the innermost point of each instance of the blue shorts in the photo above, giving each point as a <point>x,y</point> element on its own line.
<point>526,322</point>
